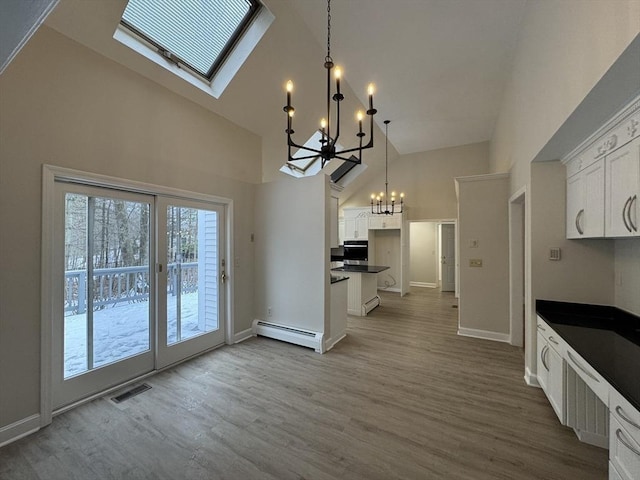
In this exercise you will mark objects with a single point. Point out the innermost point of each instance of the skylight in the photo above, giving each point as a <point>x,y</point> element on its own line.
<point>196,34</point>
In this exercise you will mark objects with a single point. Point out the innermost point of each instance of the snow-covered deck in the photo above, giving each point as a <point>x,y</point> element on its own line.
<point>122,330</point>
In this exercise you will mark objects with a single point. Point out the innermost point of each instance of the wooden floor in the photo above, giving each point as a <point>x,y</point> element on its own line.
<point>401,397</point>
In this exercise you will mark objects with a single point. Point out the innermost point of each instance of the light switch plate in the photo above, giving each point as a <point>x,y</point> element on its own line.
<point>475,262</point>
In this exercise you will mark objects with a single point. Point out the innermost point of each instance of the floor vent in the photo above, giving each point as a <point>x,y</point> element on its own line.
<point>131,393</point>
<point>286,333</point>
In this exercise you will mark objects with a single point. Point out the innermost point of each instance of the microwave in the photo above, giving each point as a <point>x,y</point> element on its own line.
<point>356,250</point>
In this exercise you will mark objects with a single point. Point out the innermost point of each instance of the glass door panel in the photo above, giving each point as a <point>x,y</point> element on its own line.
<point>106,308</point>
<point>192,276</point>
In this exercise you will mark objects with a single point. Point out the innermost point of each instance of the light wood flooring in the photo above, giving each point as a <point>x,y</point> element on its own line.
<point>402,397</point>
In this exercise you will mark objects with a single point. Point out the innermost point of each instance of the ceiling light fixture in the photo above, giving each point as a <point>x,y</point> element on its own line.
<point>382,199</point>
<point>328,143</point>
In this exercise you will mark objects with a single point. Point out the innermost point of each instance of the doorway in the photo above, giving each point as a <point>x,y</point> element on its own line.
<point>137,285</point>
<point>433,254</point>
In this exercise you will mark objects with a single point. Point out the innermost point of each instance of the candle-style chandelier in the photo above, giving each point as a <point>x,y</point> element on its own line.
<point>328,143</point>
<point>380,202</point>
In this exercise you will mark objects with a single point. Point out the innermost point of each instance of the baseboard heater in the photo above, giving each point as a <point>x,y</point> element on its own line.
<point>286,333</point>
<point>370,305</point>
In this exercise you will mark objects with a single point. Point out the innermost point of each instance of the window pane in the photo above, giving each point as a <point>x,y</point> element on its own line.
<point>192,258</point>
<point>197,31</point>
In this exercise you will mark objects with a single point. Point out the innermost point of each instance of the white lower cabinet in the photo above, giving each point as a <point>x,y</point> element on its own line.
<point>624,439</point>
<point>613,473</point>
<point>551,369</point>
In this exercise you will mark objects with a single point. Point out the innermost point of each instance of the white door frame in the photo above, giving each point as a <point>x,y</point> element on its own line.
<point>517,267</point>
<point>51,174</point>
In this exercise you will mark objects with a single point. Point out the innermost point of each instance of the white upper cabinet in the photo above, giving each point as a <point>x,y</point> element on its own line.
<point>356,223</point>
<point>585,202</point>
<point>623,190</point>
<point>382,222</point>
<point>603,180</point>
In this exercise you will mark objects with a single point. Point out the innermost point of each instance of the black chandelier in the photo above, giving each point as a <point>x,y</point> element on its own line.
<point>328,143</point>
<point>381,205</point>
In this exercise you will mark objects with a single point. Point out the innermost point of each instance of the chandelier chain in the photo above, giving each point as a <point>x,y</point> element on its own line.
<point>329,30</point>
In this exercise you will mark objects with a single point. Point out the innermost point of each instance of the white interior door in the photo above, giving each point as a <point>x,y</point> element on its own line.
<point>448,257</point>
<point>103,321</point>
<point>191,274</point>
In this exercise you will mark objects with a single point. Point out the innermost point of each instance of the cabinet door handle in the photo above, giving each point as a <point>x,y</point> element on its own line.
<point>624,213</point>
<point>542,354</point>
<point>625,442</point>
<point>631,203</point>
<point>623,416</point>
<point>578,217</point>
<point>586,372</point>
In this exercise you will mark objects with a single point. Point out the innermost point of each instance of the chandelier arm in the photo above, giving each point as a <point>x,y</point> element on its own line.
<point>306,157</point>
<point>354,149</point>
<point>291,143</point>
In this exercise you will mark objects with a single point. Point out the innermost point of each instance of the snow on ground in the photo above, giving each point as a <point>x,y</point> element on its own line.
<point>122,330</point>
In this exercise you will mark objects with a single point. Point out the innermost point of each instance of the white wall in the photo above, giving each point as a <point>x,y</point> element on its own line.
<point>627,274</point>
<point>585,270</point>
<point>62,104</point>
<point>423,252</point>
<point>484,291</point>
<point>427,179</point>
<point>564,49</point>
<point>292,252</point>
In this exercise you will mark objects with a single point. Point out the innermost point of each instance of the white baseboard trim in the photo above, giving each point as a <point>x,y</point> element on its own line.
<point>242,336</point>
<point>601,441</point>
<point>531,379</point>
<point>17,430</point>
<point>397,290</point>
<point>484,334</point>
<point>423,284</point>
<point>329,344</point>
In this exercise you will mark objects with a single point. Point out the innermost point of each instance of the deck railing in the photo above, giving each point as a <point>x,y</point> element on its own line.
<point>123,284</point>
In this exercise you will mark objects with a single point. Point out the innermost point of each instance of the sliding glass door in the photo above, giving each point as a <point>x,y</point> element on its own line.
<point>138,286</point>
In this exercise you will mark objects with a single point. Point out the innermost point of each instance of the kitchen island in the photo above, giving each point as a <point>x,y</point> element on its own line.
<point>362,287</point>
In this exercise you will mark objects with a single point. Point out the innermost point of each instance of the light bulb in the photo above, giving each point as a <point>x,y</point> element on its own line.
<point>373,196</point>
<point>402,195</point>
<point>393,194</point>
<point>291,112</point>
<point>359,115</point>
<point>289,86</point>
<point>371,89</point>
<point>323,123</point>
<point>337,72</point>
<point>382,194</point>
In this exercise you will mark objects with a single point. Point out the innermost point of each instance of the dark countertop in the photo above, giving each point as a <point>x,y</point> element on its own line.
<point>336,279</point>
<point>360,268</point>
<point>606,337</point>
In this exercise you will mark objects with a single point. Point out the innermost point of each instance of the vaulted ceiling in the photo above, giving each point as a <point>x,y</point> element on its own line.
<point>440,66</point>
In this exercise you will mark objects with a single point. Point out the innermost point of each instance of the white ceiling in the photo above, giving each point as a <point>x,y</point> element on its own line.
<point>440,66</point>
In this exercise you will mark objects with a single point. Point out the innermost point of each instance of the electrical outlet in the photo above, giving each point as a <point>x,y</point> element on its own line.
<point>269,311</point>
<point>475,262</point>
